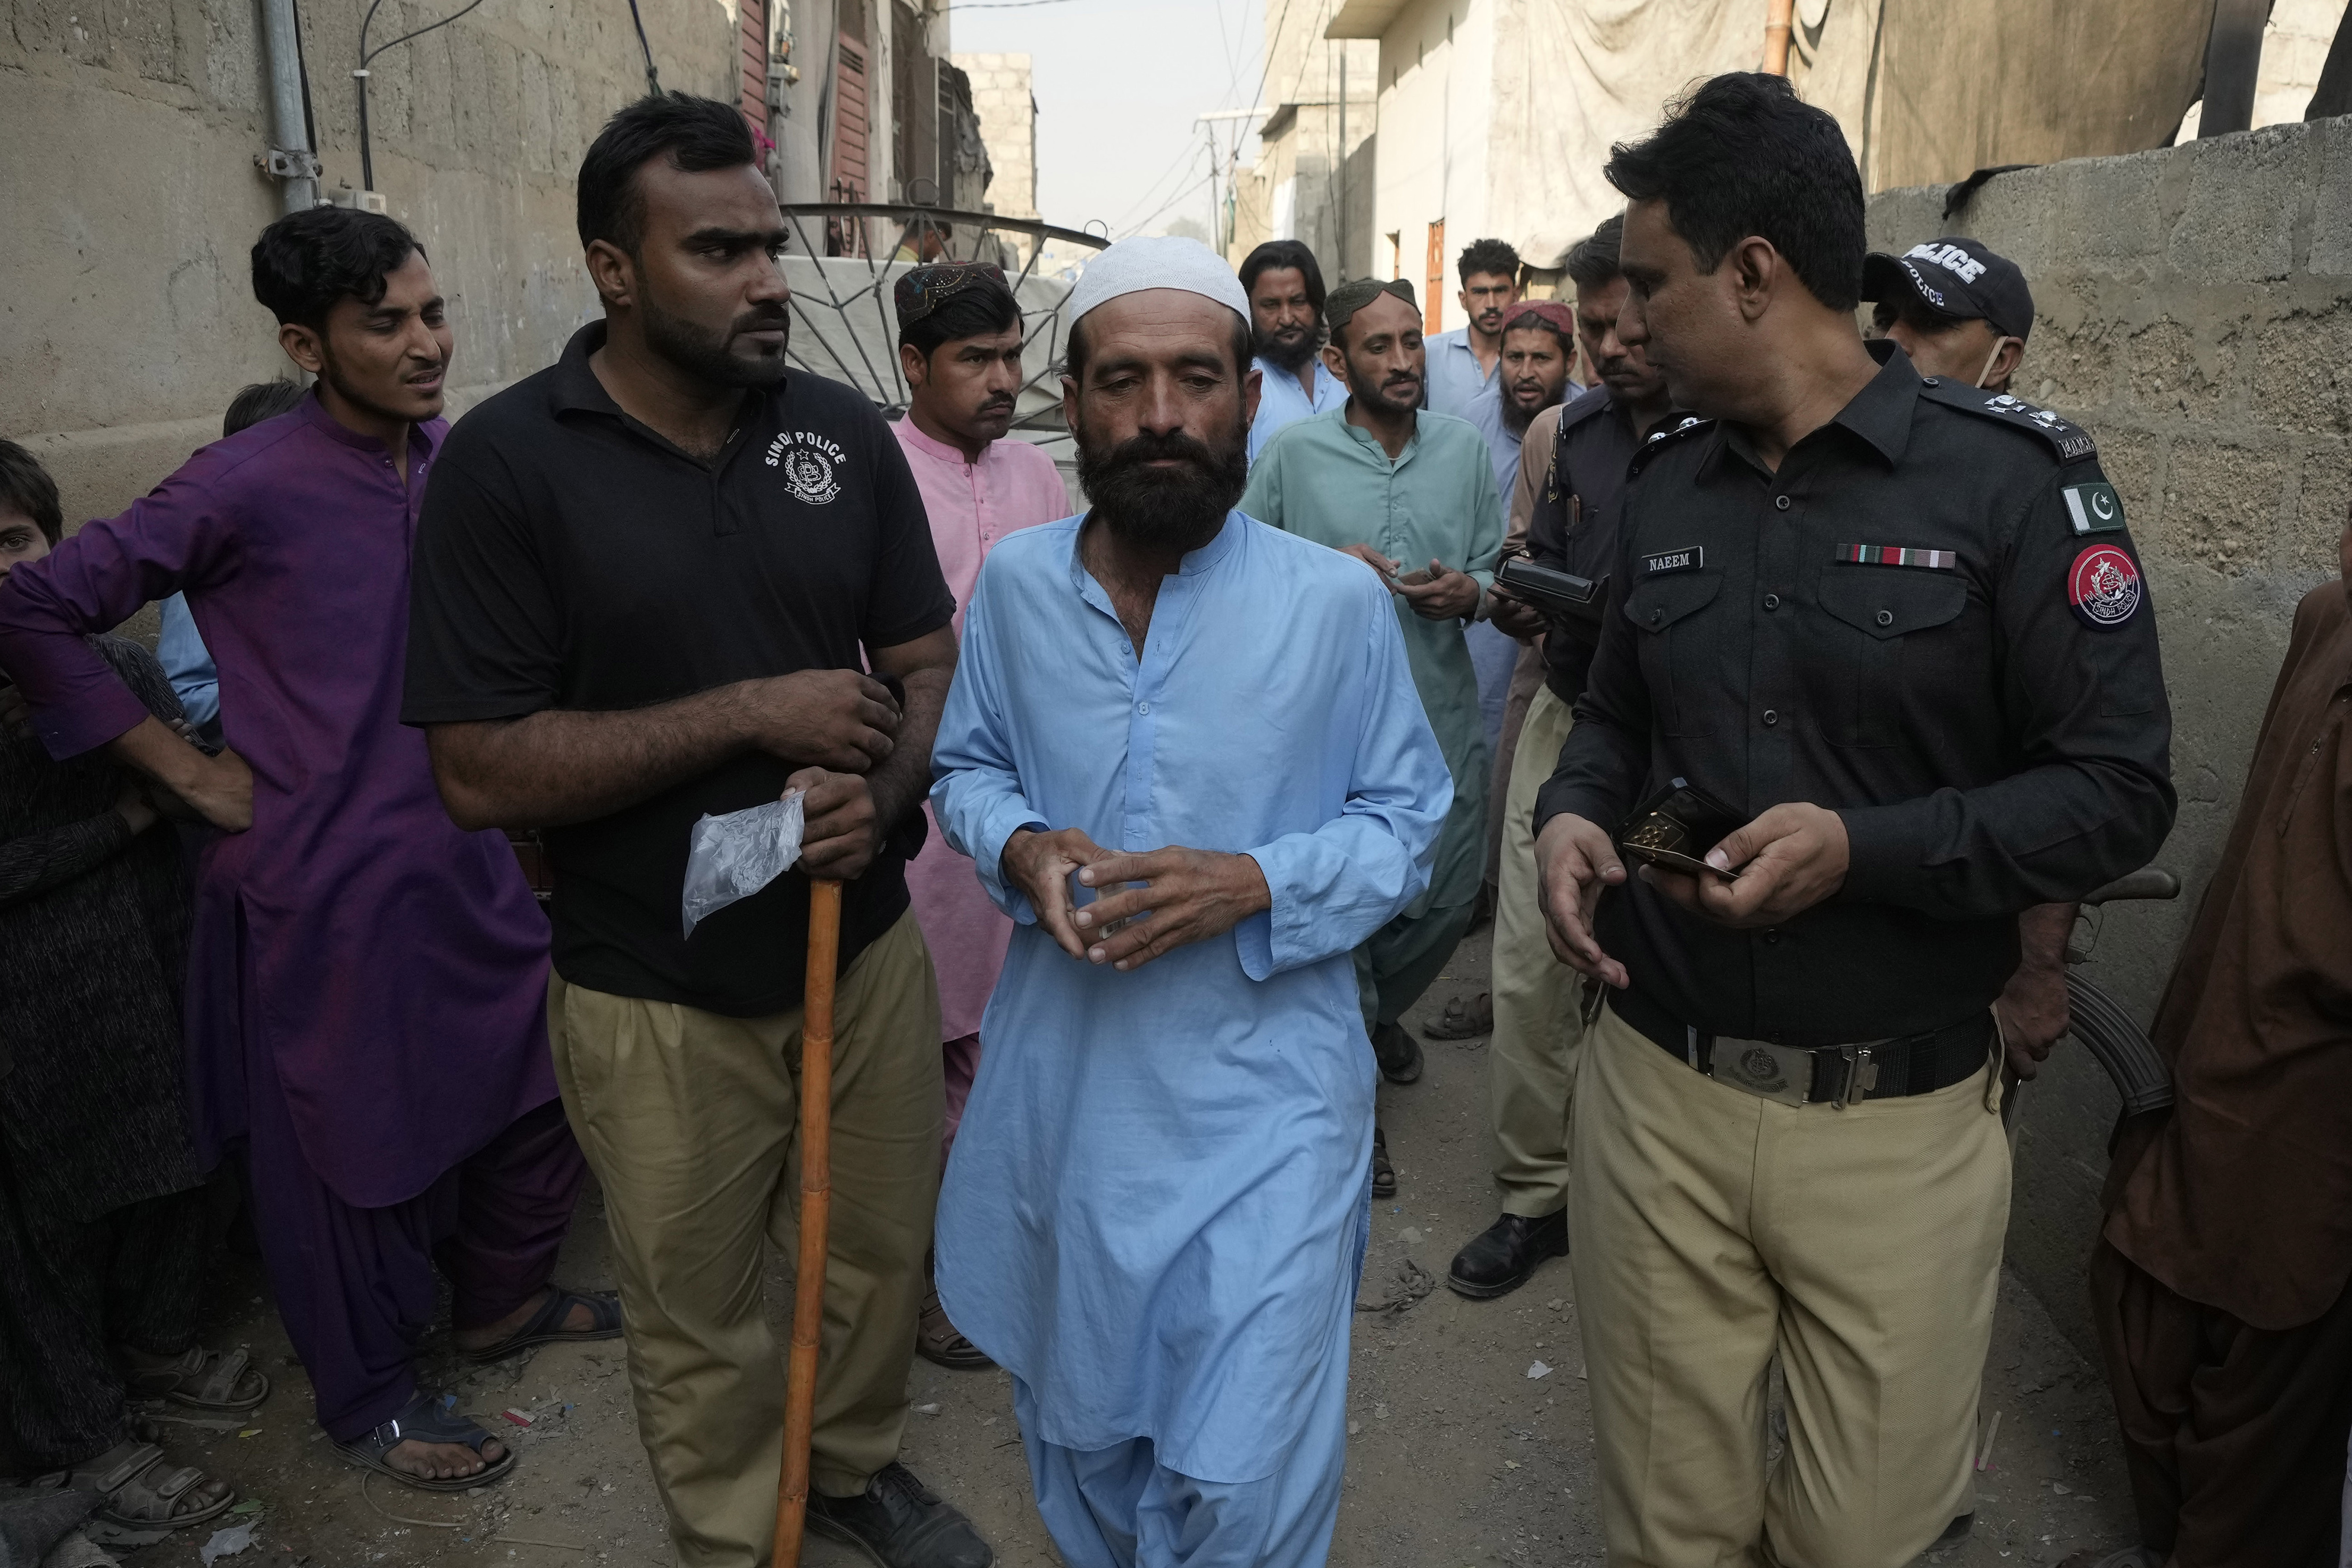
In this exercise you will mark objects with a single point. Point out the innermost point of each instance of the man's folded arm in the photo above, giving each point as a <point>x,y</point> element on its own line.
<point>1333,888</point>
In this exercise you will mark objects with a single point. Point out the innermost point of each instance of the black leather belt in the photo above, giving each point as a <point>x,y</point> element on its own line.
<point>1820,1074</point>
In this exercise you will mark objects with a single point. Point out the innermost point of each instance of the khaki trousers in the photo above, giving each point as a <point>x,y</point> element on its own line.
<point>689,1120</point>
<point>1531,1060</point>
<point>1715,1230</point>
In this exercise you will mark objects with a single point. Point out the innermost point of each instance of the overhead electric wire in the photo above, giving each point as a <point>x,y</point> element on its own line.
<point>359,76</point>
<point>653,77</point>
<point>367,54</point>
<point>1170,202</point>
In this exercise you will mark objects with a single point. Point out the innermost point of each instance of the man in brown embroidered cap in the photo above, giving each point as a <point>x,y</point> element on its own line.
<point>2221,1281</point>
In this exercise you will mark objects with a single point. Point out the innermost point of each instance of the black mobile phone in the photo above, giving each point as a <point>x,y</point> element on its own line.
<point>1546,587</point>
<point>1676,827</point>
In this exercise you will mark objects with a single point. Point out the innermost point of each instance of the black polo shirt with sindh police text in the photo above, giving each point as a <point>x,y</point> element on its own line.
<point>569,557</point>
<point>1929,620</point>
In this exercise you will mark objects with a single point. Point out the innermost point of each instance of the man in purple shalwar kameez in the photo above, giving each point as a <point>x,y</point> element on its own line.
<point>367,983</point>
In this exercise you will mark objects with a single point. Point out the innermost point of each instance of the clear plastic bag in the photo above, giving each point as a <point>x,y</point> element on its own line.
<point>735,856</point>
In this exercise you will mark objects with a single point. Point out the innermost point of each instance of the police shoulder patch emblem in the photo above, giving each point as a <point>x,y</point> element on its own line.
<point>2103,587</point>
<point>2094,507</point>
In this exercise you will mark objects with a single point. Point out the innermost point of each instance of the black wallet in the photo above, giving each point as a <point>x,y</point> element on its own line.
<point>1676,827</point>
<point>1546,587</point>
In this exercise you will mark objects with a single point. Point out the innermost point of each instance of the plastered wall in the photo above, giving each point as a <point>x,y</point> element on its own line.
<point>132,200</point>
<point>2194,312</point>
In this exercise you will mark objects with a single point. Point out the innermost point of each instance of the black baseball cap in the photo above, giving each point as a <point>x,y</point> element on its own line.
<point>1956,277</point>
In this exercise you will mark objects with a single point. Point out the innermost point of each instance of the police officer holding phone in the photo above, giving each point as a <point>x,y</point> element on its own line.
<point>1895,627</point>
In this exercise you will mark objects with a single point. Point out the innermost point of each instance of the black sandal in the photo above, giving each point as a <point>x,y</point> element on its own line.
<point>546,1325</point>
<point>424,1421</point>
<point>1384,1174</point>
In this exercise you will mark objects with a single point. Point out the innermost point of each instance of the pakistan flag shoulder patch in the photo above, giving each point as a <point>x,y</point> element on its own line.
<point>2094,507</point>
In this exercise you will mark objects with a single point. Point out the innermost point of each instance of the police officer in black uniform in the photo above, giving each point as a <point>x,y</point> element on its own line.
<point>1572,528</point>
<point>1884,643</point>
<point>1962,313</point>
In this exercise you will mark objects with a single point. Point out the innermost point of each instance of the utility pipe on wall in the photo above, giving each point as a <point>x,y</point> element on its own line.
<point>290,157</point>
<point>1780,15</point>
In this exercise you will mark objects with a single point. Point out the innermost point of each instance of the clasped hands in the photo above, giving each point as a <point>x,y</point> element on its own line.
<point>1439,594</point>
<point>1789,858</point>
<point>1187,895</point>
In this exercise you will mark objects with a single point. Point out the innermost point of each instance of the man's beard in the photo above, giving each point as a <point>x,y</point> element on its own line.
<point>706,355</point>
<point>1391,395</point>
<point>1172,509</point>
<point>1517,416</point>
<point>1290,356</point>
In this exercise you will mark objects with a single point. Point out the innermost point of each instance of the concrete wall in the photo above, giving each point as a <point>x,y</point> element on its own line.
<point>2195,313</point>
<point>134,200</point>
<point>1008,123</point>
<point>1295,190</point>
<point>1436,100</point>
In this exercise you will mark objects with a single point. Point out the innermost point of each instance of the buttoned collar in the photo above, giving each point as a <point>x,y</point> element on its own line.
<point>1371,443</point>
<point>1879,415</point>
<point>574,384</point>
<point>574,388</point>
<point>912,435</point>
<point>1881,412</point>
<point>1193,564</point>
<point>1270,372</point>
<point>313,413</point>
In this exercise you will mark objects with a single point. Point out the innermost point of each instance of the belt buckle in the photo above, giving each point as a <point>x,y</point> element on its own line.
<point>1860,1078</point>
<point>1782,1073</point>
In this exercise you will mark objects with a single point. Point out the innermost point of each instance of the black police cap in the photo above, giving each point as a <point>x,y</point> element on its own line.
<point>1956,277</point>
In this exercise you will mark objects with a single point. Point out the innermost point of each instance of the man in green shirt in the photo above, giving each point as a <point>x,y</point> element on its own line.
<point>1410,493</point>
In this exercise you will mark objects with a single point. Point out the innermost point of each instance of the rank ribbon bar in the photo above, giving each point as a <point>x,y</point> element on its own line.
<point>1898,555</point>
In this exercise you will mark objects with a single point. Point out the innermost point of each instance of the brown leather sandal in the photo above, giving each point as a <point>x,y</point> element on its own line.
<point>1464,1018</point>
<point>142,1489</point>
<point>223,1383</point>
<point>940,1342</point>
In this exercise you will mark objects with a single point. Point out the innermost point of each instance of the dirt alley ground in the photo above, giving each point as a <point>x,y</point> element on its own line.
<point>1459,1457</point>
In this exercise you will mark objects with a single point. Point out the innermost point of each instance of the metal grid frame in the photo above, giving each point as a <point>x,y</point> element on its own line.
<point>947,224</point>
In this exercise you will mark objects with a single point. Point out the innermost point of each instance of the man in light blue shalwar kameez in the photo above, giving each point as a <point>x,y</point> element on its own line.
<point>1155,1213</point>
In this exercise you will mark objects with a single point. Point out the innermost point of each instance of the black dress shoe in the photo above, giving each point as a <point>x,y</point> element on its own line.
<point>1500,1259</point>
<point>1398,1052</point>
<point>899,1522</point>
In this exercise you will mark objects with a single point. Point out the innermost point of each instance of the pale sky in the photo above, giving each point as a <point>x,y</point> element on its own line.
<point>1118,83</point>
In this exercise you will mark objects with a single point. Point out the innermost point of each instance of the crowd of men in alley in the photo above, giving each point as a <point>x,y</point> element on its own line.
<point>1774,687</point>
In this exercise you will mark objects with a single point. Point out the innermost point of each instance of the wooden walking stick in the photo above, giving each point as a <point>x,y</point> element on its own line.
<point>816,1207</point>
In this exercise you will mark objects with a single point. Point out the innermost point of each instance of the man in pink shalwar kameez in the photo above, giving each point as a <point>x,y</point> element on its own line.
<point>960,334</point>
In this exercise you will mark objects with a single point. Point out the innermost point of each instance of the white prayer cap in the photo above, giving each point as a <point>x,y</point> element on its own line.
<point>1157,261</point>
